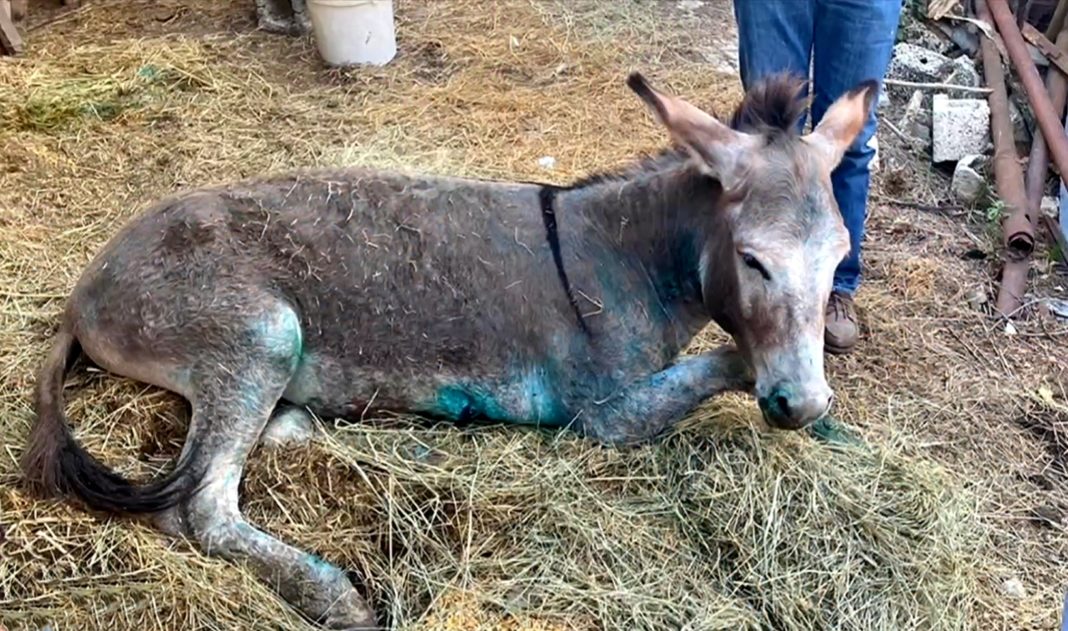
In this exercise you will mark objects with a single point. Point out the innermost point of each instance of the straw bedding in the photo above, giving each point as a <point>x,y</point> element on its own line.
<point>956,484</point>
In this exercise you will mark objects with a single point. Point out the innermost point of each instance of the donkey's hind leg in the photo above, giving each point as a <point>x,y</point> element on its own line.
<point>232,403</point>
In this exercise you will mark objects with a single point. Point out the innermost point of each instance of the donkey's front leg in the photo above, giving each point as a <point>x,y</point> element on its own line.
<point>643,409</point>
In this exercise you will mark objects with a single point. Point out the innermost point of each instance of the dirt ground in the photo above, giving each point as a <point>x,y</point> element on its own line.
<point>120,103</point>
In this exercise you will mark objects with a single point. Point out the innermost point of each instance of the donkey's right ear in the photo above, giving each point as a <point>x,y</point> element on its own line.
<point>719,151</point>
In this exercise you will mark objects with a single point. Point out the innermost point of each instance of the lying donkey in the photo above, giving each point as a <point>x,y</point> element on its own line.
<point>348,291</point>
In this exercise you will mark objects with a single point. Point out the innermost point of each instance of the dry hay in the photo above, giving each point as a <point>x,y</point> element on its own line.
<point>721,525</point>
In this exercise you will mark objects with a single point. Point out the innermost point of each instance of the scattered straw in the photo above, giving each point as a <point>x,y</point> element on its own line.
<point>723,525</point>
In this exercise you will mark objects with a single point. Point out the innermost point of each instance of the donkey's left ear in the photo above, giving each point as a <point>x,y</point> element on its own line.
<point>843,121</point>
<point>719,151</point>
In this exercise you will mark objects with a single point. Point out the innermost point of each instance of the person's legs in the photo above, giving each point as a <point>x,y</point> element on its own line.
<point>854,40</point>
<point>774,36</point>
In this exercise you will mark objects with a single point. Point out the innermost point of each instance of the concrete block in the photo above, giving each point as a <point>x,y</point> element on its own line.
<point>915,63</point>
<point>960,71</point>
<point>959,127</point>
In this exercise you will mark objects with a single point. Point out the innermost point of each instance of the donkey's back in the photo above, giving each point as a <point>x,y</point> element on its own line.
<point>400,285</point>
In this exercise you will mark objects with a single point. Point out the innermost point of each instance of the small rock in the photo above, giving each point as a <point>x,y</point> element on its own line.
<point>920,35</point>
<point>968,183</point>
<point>1013,588</point>
<point>962,37</point>
<point>724,58</point>
<point>960,71</point>
<point>915,63</point>
<point>1057,307</point>
<point>1050,206</point>
<point>547,162</point>
<point>884,99</point>
<point>1020,129</point>
<point>978,298</point>
<point>959,127</point>
<point>916,121</point>
<point>690,5</point>
<point>1010,328</point>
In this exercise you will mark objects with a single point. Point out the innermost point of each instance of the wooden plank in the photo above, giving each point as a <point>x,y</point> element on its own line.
<point>938,9</point>
<point>10,40</point>
<point>1055,55</point>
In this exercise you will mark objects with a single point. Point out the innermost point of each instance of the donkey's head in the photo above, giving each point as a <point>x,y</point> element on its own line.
<point>769,283</point>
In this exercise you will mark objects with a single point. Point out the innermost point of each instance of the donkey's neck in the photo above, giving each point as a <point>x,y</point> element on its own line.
<point>660,219</point>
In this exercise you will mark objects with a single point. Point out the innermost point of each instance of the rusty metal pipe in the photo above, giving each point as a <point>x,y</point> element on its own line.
<point>1020,228</point>
<point>1051,125</point>
<point>1008,179</point>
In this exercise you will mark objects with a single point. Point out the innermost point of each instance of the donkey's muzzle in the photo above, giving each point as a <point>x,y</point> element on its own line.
<point>788,407</point>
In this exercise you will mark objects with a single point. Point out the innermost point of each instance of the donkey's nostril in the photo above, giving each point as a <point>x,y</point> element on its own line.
<point>782,405</point>
<point>776,407</point>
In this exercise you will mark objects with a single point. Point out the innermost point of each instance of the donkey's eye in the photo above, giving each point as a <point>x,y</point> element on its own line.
<point>751,262</point>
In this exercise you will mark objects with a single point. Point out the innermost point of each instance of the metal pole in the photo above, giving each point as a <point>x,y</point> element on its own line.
<point>1048,120</point>
<point>1008,179</point>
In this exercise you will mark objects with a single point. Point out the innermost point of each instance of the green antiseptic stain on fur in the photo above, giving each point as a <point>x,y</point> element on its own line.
<point>828,430</point>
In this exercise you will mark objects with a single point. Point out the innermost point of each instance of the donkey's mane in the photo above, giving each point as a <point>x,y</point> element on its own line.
<point>770,108</point>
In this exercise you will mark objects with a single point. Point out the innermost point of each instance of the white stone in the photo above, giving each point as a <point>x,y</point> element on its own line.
<point>915,63</point>
<point>723,58</point>
<point>884,99</point>
<point>1050,206</point>
<point>978,298</point>
<point>968,183</point>
<point>547,162</point>
<point>916,121</point>
<point>1013,588</point>
<point>959,127</point>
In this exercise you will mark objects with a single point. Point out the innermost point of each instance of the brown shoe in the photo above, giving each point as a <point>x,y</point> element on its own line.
<point>842,330</point>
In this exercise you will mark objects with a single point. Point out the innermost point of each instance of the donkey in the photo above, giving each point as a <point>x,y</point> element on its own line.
<point>339,292</point>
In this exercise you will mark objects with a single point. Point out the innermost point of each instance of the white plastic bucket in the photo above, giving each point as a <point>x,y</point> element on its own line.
<point>353,31</point>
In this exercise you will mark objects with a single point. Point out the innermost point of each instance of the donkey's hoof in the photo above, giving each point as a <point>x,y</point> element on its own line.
<point>350,612</point>
<point>289,426</point>
<point>170,522</point>
<point>736,371</point>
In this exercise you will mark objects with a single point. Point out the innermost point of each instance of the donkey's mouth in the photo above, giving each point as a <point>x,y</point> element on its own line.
<point>786,412</point>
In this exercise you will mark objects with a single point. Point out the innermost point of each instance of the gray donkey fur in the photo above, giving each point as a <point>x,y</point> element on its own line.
<point>348,291</point>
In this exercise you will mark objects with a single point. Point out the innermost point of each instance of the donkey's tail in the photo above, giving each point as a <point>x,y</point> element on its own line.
<point>55,464</point>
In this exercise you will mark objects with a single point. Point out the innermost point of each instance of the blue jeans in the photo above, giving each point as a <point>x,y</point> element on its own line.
<point>847,42</point>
